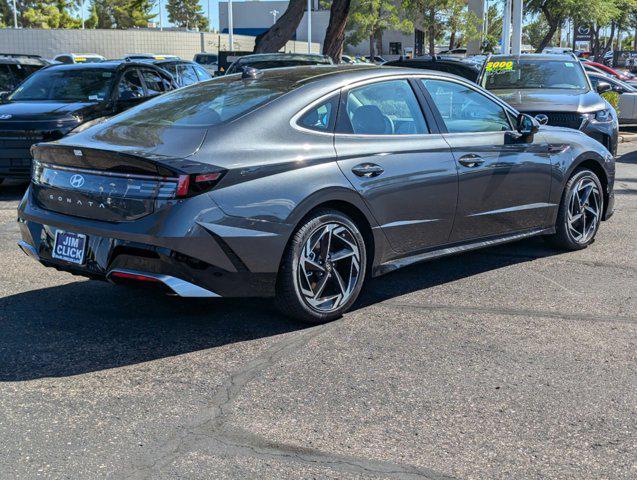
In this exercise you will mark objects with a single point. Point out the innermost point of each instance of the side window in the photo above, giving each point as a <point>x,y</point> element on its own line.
<point>187,75</point>
<point>383,108</point>
<point>594,81</point>
<point>130,86</point>
<point>321,117</point>
<point>155,84</point>
<point>465,110</point>
<point>202,73</point>
<point>7,80</point>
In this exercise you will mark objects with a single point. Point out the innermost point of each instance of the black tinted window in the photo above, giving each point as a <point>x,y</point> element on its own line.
<point>186,75</point>
<point>155,83</point>
<point>202,73</point>
<point>7,80</point>
<point>66,85</point>
<point>130,86</point>
<point>321,117</point>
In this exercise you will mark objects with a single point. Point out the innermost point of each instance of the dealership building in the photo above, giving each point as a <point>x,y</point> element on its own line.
<point>254,17</point>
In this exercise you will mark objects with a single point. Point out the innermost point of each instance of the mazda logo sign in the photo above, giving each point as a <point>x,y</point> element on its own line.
<point>6,116</point>
<point>76,181</point>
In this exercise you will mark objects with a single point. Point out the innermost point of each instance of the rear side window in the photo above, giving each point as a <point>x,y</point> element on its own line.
<point>155,83</point>
<point>130,86</point>
<point>203,104</point>
<point>321,117</point>
<point>7,80</point>
<point>186,74</point>
<point>202,73</point>
<point>383,108</point>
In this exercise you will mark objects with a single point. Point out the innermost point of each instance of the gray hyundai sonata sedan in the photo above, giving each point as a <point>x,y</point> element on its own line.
<point>300,183</point>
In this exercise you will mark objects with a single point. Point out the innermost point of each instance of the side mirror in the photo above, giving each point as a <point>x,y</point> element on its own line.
<point>542,119</point>
<point>4,96</point>
<point>618,89</point>
<point>603,87</point>
<point>527,125</point>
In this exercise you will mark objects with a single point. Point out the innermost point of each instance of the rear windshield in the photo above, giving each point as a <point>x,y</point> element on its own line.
<point>506,74</point>
<point>85,85</point>
<point>204,104</point>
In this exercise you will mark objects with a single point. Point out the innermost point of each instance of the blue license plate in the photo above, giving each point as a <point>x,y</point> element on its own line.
<point>69,247</point>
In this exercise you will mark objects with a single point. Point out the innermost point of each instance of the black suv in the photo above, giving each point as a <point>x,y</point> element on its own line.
<point>440,63</point>
<point>14,68</point>
<point>61,99</point>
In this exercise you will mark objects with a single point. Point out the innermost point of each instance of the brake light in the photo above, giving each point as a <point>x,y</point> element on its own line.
<point>189,185</point>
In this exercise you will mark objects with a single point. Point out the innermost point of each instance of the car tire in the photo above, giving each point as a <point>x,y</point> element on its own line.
<point>580,212</point>
<point>323,268</point>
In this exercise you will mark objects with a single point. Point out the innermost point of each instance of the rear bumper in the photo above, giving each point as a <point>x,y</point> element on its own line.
<point>193,245</point>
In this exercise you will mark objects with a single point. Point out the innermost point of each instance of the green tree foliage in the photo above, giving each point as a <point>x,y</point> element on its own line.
<point>368,19</point>
<point>50,14</point>
<point>187,14</point>
<point>122,13</point>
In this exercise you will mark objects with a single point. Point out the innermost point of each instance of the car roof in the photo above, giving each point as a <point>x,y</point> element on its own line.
<point>536,56</point>
<point>437,58</point>
<point>283,56</point>
<point>16,58</point>
<point>106,65</point>
<point>342,73</point>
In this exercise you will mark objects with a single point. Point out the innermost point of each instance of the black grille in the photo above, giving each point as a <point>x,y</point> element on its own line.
<point>564,119</point>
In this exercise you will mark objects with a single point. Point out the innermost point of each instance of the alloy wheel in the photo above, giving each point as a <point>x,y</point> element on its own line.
<point>329,267</point>
<point>584,210</point>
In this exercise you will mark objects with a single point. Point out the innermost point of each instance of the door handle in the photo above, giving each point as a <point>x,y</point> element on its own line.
<point>367,170</point>
<point>471,160</point>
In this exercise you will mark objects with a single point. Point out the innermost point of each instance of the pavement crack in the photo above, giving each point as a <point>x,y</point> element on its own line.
<point>514,312</point>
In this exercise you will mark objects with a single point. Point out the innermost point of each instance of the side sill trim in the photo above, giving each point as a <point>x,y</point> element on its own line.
<point>182,288</point>
<point>392,265</point>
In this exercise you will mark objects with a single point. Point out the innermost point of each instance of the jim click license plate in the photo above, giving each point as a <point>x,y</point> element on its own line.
<point>69,247</point>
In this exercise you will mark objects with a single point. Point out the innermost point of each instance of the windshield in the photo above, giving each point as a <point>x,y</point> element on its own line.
<point>203,104</point>
<point>506,74</point>
<point>85,85</point>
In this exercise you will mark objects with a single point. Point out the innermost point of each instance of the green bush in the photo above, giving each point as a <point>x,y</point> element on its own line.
<point>613,99</point>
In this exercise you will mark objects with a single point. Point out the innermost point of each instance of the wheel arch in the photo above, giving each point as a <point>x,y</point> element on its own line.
<point>594,162</point>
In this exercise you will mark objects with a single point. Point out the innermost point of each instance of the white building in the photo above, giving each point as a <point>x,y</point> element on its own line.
<point>255,17</point>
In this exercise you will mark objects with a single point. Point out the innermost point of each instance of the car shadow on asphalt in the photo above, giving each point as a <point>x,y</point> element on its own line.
<point>87,326</point>
<point>12,191</point>
<point>630,157</point>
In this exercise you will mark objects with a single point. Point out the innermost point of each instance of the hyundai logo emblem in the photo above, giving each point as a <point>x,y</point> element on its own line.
<point>76,181</point>
<point>6,116</point>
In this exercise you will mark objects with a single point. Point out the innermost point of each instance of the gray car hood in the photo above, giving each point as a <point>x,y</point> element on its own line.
<point>552,100</point>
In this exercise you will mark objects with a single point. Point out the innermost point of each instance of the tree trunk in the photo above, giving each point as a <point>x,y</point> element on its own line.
<point>554,24</point>
<point>335,33</point>
<point>275,38</point>
<point>635,40</point>
<point>432,32</point>
<point>372,53</point>
<point>452,40</point>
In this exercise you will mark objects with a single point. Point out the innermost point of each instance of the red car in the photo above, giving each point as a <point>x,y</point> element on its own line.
<point>610,71</point>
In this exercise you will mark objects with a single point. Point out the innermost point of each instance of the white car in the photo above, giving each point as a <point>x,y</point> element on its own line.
<point>627,108</point>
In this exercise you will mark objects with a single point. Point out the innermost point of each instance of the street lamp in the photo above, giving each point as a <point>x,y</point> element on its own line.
<point>15,15</point>
<point>161,22</point>
<point>82,14</point>
<point>274,14</point>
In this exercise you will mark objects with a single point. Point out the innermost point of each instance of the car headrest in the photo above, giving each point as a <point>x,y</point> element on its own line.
<point>368,119</point>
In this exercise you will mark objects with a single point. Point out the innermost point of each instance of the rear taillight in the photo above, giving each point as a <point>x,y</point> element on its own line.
<point>189,185</point>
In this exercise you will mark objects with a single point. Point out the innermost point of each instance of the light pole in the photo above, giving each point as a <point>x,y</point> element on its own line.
<point>274,14</point>
<point>209,27</point>
<point>506,28</point>
<point>82,14</point>
<point>309,26</point>
<point>230,26</point>
<point>516,42</point>
<point>161,17</point>
<point>15,15</point>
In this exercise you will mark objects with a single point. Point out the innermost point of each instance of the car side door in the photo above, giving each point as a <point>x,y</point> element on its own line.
<point>155,82</point>
<point>504,178</point>
<point>389,148</point>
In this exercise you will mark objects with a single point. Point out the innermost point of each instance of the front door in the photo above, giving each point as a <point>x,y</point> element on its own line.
<point>403,169</point>
<point>504,181</point>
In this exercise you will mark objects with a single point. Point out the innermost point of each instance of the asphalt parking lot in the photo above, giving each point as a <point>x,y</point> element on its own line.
<point>514,362</point>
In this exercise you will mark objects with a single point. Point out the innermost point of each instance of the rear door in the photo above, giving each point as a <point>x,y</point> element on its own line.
<point>504,179</point>
<point>398,162</point>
